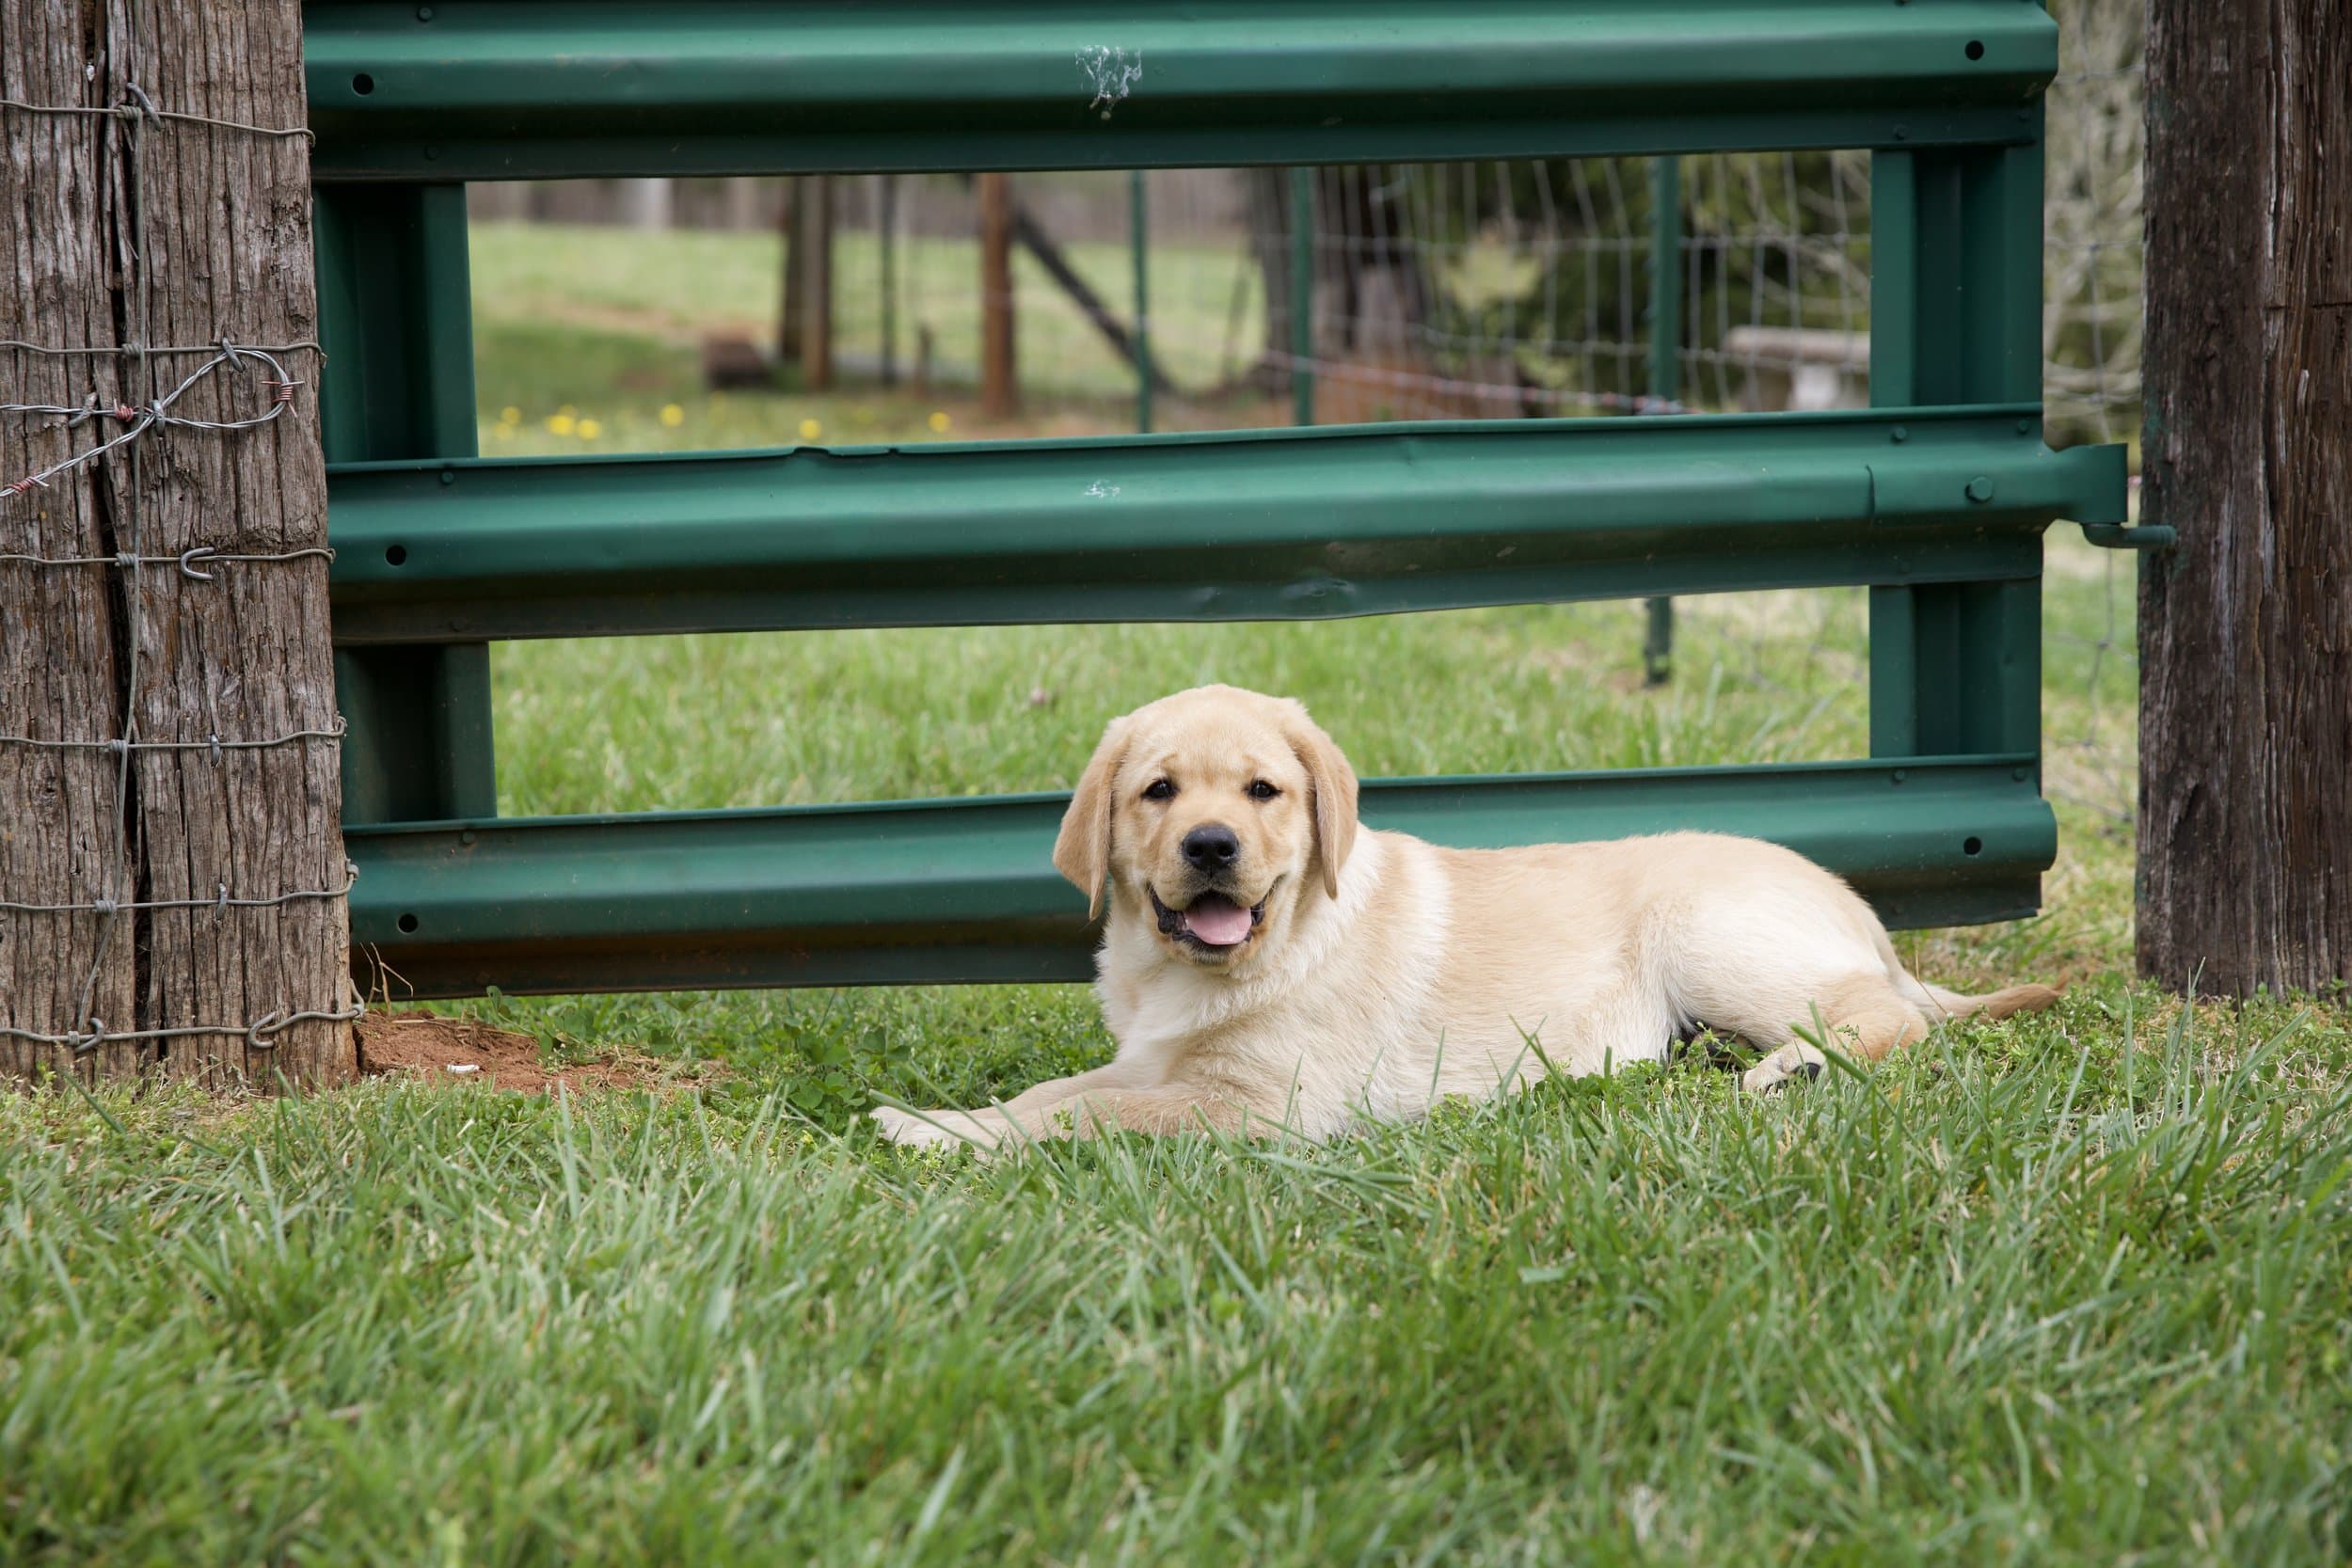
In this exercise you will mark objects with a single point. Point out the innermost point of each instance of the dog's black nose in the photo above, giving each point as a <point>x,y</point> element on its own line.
<point>1212,847</point>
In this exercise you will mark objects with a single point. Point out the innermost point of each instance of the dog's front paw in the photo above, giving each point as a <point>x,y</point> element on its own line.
<point>925,1127</point>
<point>1793,1061</point>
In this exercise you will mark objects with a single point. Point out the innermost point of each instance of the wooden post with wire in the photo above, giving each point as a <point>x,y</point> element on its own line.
<point>172,876</point>
<point>2246,619</point>
<point>1000,387</point>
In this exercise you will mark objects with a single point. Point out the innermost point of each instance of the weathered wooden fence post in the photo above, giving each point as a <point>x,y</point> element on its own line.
<point>1000,384</point>
<point>172,876</point>
<point>2245,623</point>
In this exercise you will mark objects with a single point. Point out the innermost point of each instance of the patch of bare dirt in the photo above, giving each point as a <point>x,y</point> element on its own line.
<point>451,1051</point>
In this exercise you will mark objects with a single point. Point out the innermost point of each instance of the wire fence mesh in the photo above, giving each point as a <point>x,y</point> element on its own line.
<point>1530,287</point>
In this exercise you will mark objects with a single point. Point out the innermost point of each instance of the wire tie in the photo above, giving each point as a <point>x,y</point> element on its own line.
<point>119,745</point>
<point>127,559</point>
<point>124,412</point>
<point>199,552</point>
<point>284,390</point>
<point>26,485</point>
<point>266,1023</point>
<point>146,104</point>
<point>220,905</point>
<point>83,1045</point>
<point>216,740</point>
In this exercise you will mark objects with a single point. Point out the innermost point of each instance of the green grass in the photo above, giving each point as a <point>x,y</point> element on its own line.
<point>2069,1291</point>
<point>608,321</point>
<point>2066,1289</point>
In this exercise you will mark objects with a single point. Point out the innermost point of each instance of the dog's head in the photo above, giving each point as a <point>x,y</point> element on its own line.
<point>1215,814</point>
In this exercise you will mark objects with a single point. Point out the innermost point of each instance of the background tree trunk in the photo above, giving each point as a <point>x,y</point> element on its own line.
<point>2245,625</point>
<point>1000,385</point>
<point>788,321</point>
<point>650,204</point>
<point>804,324</point>
<point>165,232</point>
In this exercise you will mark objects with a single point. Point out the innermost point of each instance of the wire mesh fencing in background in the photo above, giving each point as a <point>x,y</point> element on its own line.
<point>2095,143</point>
<point>1226,298</point>
<point>1433,290</point>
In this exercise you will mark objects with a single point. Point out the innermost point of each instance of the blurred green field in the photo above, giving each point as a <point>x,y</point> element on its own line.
<point>607,323</point>
<point>2068,1289</point>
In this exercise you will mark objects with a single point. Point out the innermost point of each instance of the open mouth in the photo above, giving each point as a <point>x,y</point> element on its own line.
<point>1212,922</point>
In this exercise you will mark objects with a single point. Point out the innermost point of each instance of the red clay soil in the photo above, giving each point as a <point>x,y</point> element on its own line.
<point>429,1046</point>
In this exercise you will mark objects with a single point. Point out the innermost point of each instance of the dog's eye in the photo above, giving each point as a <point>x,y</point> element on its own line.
<point>1159,789</point>
<point>1261,790</point>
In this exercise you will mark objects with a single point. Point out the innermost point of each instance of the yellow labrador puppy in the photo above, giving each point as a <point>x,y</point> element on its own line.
<point>1268,962</point>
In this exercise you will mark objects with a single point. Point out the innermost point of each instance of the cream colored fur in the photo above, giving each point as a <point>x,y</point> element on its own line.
<point>1388,972</point>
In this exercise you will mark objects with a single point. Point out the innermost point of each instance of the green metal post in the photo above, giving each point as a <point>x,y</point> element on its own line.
<point>1665,366</point>
<point>1302,296</point>
<point>396,315</point>
<point>1139,242</point>
<point>1955,318</point>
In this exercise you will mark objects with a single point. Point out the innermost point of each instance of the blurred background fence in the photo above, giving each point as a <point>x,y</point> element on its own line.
<point>1436,290</point>
<point>680,313</point>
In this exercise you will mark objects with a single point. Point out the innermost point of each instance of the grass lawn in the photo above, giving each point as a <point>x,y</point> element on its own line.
<point>2067,1288</point>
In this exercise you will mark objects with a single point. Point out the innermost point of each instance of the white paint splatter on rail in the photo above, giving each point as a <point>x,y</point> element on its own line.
<point>1112,72</point>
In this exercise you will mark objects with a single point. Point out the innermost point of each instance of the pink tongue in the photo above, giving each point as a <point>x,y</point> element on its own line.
<point>1218,921</point>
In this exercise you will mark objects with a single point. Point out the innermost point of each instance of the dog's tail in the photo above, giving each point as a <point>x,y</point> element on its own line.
<point>1999,1004</point>
<point>1938,1003</point>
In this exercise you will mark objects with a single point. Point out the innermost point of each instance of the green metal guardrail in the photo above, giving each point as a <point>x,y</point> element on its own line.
<point>953,889</point>
<point>476,90</point>
<point>1935,497</point>
<point>1246,526</point>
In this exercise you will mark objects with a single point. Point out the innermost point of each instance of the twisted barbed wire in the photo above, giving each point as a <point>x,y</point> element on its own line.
<point>155,413</point>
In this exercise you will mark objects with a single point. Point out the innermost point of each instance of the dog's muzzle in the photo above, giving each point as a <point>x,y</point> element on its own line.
<point>1212,923</point>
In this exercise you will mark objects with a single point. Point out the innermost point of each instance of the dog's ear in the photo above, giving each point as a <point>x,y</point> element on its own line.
<point>1333,783</point>
<point>1082,852</point>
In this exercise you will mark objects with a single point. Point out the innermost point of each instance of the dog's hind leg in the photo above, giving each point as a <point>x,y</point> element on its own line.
<point>1863,1017</point>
